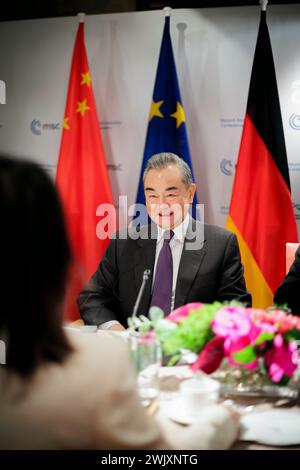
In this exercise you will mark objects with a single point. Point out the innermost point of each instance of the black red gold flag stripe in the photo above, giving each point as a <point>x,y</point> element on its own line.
<point>261,211</point>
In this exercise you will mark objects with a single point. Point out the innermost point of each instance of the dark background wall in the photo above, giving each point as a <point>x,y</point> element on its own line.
<point>52,8</point>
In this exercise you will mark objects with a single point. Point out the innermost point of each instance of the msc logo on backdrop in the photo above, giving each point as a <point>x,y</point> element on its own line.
<point>2,92</point>
<point>37,127</point>
<point>294,121</point>
<point>226,167</point>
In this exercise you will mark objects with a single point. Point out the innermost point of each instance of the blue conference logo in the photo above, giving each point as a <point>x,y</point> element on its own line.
<point>37,127</point>
<point>294,121</point>
<point>226,167</point>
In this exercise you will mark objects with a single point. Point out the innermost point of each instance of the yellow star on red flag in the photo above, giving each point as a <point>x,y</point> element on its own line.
<point>86,79</point>
<point>66,123</point>
<point>82,107</point>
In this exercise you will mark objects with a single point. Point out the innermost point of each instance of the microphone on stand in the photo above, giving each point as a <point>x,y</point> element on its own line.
<point>146,276</point>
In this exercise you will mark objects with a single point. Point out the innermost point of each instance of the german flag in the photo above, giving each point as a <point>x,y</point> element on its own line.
<point>261,211</point>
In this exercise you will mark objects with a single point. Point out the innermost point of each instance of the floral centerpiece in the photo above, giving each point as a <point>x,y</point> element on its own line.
<point>218,333</point>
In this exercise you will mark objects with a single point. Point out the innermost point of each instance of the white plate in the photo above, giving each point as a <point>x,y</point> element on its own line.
<point>272,427</point>
<point>175,410</point>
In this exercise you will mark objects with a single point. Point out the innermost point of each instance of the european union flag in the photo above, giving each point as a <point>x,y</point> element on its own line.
<point>167,128</point>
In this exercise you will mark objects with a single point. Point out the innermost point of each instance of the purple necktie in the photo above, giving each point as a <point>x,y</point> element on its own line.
<point>162,287</point>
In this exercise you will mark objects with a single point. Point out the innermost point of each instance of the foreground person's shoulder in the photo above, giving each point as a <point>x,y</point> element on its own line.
<point>103,346</point>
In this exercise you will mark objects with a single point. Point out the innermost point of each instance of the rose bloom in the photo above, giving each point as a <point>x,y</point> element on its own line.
<point>235,325</point>
<point>182,312</point>
<point>280,320</point>
<point>282,359</point>
<point>234,322</point>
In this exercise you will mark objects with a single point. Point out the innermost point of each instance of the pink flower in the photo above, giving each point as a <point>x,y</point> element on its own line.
<point>282,359</point>
<point>237,329</point>
<point>278,341</point>
<point>280,320</point>
<point>234,322</point>
<point>266,327</point>
<point>235,325</point>
<point>210,357</point>
<point>182,312</point>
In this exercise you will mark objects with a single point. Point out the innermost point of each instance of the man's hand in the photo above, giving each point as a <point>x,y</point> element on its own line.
<point>117,327</point>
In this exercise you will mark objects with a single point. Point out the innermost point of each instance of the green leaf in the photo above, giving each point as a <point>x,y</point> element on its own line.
<point>284,380</point>
<point>246,355</point>
<point>193,332</point>
<point>263,337</point>
<point>174,359</point>
<point>144,327</point>
<point>293,334</point>
<point>156,314</point>
<point>144,319</point>
<point>280,306</point>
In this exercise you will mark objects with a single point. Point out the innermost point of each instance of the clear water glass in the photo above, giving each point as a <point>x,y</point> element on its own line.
<point>146,354</point>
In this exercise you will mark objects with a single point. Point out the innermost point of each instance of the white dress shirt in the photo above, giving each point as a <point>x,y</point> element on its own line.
<point>176,245</point>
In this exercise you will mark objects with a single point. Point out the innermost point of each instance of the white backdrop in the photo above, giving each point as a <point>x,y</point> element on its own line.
<point>214,51</point>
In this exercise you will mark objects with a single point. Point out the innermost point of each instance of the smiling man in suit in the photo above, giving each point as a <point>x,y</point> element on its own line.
<point>189,261</point>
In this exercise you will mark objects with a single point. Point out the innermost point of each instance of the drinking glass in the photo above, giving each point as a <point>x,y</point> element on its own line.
<point>147,358</point>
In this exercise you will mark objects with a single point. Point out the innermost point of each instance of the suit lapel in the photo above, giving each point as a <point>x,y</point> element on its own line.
<point>191,260</point>
<point>144,259</point>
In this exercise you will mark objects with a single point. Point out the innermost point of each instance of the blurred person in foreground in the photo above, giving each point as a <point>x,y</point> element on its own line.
<point>63,390</point>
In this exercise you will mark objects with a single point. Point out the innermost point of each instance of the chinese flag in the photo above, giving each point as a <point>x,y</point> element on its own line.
<point>261,211</point>
<point>82,177</point>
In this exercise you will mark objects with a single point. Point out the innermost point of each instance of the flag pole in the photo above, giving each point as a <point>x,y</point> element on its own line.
<point>263,4</point>
<point>167,11</point>
<point>81,17</point>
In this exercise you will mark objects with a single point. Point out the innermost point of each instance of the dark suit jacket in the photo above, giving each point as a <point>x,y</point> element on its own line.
<point>211,272</point>
<point>289,291</point>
